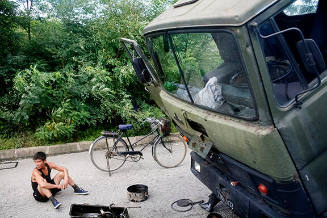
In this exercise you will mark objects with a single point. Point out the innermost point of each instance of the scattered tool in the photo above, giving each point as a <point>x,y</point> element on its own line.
<point>8,165</point>
<point>187,204</point>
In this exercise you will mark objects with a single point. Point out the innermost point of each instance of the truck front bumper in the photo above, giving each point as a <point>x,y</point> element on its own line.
<point>241,201</point>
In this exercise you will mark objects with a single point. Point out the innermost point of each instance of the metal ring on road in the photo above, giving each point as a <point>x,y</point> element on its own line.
<point>182,203</point>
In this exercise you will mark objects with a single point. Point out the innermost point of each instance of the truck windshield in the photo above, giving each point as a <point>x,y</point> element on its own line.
<point>204,69</point>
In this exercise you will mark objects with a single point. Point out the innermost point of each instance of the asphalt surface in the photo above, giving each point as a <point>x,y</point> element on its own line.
<point>165,186</point>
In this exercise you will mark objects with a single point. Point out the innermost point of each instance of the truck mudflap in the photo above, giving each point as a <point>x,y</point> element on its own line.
<point>245,202</point>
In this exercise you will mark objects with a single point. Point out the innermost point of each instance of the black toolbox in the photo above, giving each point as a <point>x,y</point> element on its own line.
<point>86,210</point>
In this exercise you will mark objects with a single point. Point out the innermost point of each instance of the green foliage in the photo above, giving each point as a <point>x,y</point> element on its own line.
<point>26,139</point>
<point>197,54</point>
<point>171,87</point>
<point>8,22</point>
<point>10,61</point>
<point>66,74</point>
<point>64,102</point>
<point>64,121</point>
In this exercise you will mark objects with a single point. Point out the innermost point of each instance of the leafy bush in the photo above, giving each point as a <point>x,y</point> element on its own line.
<point>26,139</point>
<point>61,103</point>
<point>68,73</point>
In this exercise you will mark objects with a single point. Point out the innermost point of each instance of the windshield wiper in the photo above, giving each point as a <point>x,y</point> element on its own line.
<point>179,66</point>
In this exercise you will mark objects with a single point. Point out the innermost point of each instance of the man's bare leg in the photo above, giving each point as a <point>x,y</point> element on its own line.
<point>77,190</point>
<point>46,192</point>
<point>60,176</point>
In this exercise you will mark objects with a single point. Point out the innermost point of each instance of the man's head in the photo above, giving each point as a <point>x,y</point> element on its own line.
<point>39,159</point>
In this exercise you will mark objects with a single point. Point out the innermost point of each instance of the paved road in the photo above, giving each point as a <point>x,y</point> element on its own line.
<point>165,186</point>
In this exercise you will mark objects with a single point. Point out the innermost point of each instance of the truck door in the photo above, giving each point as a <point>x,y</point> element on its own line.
<point>205,89</point>
<point>300,118</point>
<point>143,69</point>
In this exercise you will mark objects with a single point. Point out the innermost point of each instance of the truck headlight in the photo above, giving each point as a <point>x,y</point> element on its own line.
<point>197,166</point>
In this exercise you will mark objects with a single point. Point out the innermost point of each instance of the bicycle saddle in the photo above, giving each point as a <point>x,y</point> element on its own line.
<point>125,126</point>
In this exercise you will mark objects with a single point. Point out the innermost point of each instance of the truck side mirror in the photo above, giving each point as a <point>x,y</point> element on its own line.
<point>141,71</point>
<point>142,68</point>
<point>311,56</point>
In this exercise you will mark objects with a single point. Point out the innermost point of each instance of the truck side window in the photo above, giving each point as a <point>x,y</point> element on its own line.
<point>301,7</point>
<point>286,77</point>
<point>287,72</point>
<point>212,74</point>
<point>166,65</point>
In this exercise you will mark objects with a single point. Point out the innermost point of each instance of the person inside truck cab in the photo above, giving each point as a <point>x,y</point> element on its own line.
<point>211,67</point>
<point>231,71</point>
<point>229,76</point>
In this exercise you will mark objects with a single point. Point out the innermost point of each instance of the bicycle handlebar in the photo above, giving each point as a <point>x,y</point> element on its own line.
<point>153,120</point>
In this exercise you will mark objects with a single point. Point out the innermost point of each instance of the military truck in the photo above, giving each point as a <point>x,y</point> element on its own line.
<point>245,83</point>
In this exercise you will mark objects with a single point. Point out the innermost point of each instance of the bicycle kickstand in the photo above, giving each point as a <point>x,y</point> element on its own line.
<point>108,166</point>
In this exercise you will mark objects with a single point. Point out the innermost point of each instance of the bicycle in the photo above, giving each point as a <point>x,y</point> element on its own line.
<point>110,151</point>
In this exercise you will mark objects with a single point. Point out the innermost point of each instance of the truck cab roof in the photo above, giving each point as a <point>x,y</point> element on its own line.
<point>200,13</point>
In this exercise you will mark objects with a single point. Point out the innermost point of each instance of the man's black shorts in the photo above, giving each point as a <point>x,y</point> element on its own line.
<point>41,198</point>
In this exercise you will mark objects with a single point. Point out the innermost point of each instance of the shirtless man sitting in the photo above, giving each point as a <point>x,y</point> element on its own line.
<point>46,188</point>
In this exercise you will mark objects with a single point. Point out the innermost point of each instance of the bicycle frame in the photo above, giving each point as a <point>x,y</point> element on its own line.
<point>153,141</point>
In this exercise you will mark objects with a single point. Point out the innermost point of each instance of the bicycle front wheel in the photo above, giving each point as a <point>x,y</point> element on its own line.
<point>104,153</point>
<point>170,151</point>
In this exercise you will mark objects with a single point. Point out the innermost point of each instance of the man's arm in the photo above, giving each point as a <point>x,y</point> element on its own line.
<point>42,182</point>
<point>61,169</point>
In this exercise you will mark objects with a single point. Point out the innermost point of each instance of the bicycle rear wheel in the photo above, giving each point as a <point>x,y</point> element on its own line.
<point>104,151</point>
<point>170,151</point>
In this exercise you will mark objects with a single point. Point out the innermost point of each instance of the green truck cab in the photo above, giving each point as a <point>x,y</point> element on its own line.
<point>245,82</point>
